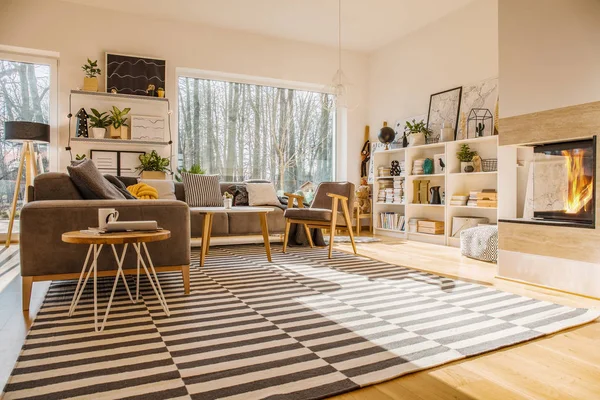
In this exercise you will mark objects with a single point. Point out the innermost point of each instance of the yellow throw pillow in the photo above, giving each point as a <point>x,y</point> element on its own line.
<point>143,191</point>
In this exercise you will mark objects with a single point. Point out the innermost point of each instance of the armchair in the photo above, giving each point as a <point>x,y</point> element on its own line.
<point>324,212</point>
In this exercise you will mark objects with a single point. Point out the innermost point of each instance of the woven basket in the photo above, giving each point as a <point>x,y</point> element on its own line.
<point>489,165</point>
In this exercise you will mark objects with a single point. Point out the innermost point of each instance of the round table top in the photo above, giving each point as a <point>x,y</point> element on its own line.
<point>78,237</point>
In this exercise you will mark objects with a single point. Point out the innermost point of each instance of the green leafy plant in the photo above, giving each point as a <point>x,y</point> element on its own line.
<point>194,169</point>
<point>99,120</point>
<point>80,157</point>
<point>465,154</point>
<point>91,68</point>
<point>117,117</point>
<point>415,127</point>
<point>227,195</point>
<point>153,162</point>
<point>479,129</point>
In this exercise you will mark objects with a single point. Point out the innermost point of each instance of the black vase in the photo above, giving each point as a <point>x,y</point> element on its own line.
<point>435,195</point>
<point>404,141</point>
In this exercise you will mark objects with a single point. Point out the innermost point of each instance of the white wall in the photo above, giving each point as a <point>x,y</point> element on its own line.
<point>459,49</point>
<point>77,32</point>
<point>549,54</point>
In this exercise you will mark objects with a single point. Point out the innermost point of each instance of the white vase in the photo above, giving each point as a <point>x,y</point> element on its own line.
<point>416,139</point>
<point>464,165</point>
<point>99,133</point>
<point>227,203</point>
<point>447,132</point>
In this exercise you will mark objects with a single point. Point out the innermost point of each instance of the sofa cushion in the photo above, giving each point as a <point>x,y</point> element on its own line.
<point>239,193</point>
<point>262,194</point>
<point>91,184</point>
<point>314,214</point>
<point>164,187</point>
<point>117,183</point>
<point>55,186</point>
<point>202,190</point>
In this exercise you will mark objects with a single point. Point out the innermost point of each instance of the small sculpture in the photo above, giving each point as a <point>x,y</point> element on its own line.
<point>428,166</point>
<point>395,169</point>
<point>476,164</point>
<point>442,164</point>
<point>386,135</point>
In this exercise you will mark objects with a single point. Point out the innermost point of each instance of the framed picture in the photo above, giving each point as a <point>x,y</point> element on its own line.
<point>444,107</point>
<point>133,74</point>
<point>147,128</point>
<point>118,163</point>
<point>483,94</point>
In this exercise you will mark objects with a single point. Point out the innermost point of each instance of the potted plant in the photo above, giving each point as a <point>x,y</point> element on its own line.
<point>227,200</point>
<point>90,81</point>
<point>417,132</point>
<point>153,166</point>
<point>118,127</point>
<point>99,121</point>
<point>194,169</point>
<point>465,156</point>
<point>160,92</point>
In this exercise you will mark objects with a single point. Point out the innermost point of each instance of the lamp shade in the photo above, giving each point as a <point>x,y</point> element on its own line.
<point>26,131</point>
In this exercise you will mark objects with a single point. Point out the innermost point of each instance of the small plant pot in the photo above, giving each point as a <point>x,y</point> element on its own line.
<point>153,175</point>
<point>416,139</point>
<point>161,93</point>
<point>90,84</point>
<point>227,203</point>
<point>118,133</point>
<point>99,133</point>
<point>466,166</point>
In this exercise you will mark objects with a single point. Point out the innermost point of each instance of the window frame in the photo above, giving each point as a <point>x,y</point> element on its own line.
<point>259,81</point>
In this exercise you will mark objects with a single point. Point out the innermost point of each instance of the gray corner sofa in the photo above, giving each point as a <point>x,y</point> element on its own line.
<point>56,207</point>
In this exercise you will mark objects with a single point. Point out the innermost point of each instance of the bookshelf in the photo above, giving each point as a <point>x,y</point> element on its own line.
<point>451,181</point>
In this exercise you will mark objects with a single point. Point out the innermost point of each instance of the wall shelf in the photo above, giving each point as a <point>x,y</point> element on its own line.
<point>119,96</point>
<point>120,142</point>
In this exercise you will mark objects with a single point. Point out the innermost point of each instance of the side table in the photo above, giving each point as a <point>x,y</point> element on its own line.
<point>96,242</point>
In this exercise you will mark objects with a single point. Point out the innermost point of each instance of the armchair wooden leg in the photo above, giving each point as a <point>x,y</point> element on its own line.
<point>334,211</point>
<point>27,285</point>
<point>286,236</point>
<point>185,274</point>
<point>348,223</point>
<point>308,236</point>
<point>357,221</point>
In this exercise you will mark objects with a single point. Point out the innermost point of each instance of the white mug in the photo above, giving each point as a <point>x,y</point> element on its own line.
<point>106,215</point>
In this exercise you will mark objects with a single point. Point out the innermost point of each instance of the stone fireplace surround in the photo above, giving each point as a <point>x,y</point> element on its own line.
<point>553,255</point>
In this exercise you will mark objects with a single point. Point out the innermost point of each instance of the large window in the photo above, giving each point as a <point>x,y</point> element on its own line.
<point>243,131</point>
<point>24,96</point>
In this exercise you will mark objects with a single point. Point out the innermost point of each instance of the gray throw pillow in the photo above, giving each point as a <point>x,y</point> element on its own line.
<point>91,184</point>
<point>202,190</point>
<point>120,186</point>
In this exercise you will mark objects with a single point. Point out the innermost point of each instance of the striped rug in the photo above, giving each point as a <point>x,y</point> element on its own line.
<point>302,327</point>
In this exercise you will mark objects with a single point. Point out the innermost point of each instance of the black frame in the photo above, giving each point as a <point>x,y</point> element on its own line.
<point>142,74</point>
<point>118,152</point>
<point>562,217</point>
<point>459,88</point>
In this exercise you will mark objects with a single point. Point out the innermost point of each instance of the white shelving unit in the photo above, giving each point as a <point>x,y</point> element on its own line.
<point>451,181</point>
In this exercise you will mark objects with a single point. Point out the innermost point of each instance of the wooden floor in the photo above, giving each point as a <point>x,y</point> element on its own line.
<point>562,366</point>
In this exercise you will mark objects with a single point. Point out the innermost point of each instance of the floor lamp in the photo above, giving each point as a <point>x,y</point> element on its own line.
<point>26,133</point>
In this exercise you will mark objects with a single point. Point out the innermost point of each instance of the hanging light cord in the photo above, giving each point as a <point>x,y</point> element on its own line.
<point>69,116</point>
<point>169,111</point>
<point>340,39</point>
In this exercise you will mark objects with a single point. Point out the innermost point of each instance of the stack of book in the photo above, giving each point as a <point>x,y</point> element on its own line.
<point>382,193</point>
<point>398,195</point>
<point>418,166</point>
<point>391,220</point>
<point>402,168</point>
<point>389,195</point>
<point>472,201</point>
<point>459,200</point>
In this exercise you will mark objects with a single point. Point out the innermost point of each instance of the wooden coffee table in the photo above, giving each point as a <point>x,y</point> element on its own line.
<point>96,243</point>
<point>209,213</point>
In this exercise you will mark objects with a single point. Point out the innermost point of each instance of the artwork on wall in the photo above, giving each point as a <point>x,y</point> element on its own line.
<point>134,75</point>
<point>119,163</point>
<point>444,107</point>
<point>483,94</point>
<point>375,146</point>
<point>147,128</point>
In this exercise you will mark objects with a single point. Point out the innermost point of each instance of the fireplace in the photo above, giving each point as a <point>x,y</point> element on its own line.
<point>564,180</point>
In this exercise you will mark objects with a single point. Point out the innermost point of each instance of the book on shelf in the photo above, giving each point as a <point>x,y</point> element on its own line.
<point>391,220</point>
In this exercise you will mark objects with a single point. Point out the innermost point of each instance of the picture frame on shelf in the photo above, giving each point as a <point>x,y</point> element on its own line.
<point>482,94</point>
<point>116,162</point>
<point>148,128</point>
<point>129,74</point>
<point>444,107</point>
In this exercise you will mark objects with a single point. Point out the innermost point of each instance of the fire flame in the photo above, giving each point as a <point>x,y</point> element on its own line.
<point>581,187</point>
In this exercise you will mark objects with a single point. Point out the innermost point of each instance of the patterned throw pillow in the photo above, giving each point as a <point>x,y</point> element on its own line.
<point>239,193</point>
<point>202,190</point>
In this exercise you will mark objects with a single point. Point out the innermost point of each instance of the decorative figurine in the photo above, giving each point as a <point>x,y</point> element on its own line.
<point>428,166</point>
<point>151,89</point>
<point>82,123</point>
<point>395,170</point>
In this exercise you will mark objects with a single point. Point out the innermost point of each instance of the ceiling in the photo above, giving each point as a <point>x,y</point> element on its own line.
<point>366,24</point>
